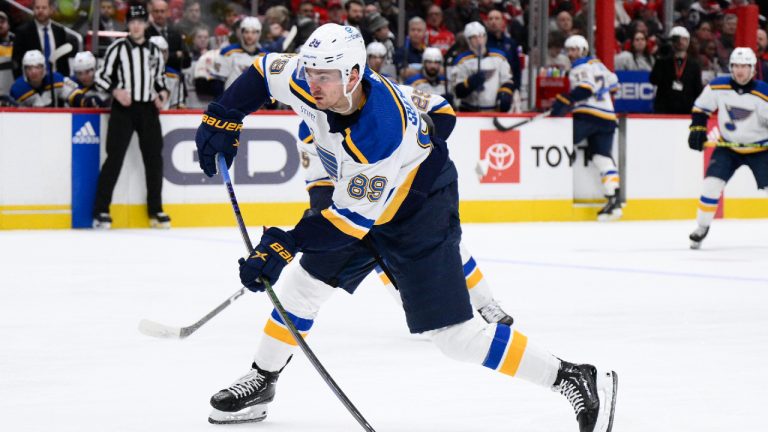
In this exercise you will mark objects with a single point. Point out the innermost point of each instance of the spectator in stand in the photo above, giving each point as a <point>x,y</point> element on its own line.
<point>201,43</point>
<point>677,77</point>
<point>707,56</point>
<point>638,58</point>
<point>499,39</point>
<point>651,19</point>
<point>378,27</point>
<point>761,68</point>
<point>354,9</point>
<point>408,57</point>
<point>438,34</point>
<point>335,12</point>
<point>564,25</point>
<point>225,31</point>
<point>178,57</point>
<point>33,88</point>
<point>555,56</point>
<point>85,93</point>
<point>484,7</point>
<point>40,35</point>
<point>389,10</point>
<point>202,85</point>
<point>107,22</point>
<point>191,20</point>
<point>6,60</point>
<point>460,14</point>
<point>430,80</point>
<point>371,7</point>
<point>704,32</point>
<point>727,40</point>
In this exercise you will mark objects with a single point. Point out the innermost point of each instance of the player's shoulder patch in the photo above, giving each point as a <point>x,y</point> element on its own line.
<point>305,134</point>
<point>466,55</point>
<point>721,83</point>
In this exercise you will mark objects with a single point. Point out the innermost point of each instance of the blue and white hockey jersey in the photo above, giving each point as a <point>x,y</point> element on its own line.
<point>590,74</point>
<point>28,96</point>
<point>742,111</point>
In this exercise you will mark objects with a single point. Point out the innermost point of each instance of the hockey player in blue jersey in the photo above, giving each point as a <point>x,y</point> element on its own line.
<point>35,88</point>
<point>86,93</point>
<point>742,106</point>
<point>593,117</point>
<point>396,195</point>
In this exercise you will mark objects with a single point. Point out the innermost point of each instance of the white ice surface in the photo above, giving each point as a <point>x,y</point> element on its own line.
<point>687,332</point>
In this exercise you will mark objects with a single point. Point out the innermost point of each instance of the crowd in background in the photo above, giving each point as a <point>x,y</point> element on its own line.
<point>206,43</point>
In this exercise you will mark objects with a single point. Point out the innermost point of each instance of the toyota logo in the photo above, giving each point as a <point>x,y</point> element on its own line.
<point>500,156</point>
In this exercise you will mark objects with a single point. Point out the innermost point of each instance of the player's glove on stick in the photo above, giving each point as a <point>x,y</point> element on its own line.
<point>504,101</point>
<point>219,132</point>
<point>476,81</point>
<point>697,137</point>
<point>561,106</point>
<point>276,249</point>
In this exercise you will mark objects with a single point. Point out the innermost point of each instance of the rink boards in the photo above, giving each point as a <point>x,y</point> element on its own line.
<point>49,164</point>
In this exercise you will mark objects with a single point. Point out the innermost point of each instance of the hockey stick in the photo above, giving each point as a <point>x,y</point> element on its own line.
<point>734,145</point>
<point>222,165</point>
<point>502,128</point>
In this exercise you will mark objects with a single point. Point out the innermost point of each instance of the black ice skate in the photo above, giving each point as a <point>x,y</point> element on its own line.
<point>160,220</point>
<point>697,236</point>
<point>245,401</point>
<point>102,221</point>
<point>612,210</point>
<point>493,313</point>
<point>591,393</point>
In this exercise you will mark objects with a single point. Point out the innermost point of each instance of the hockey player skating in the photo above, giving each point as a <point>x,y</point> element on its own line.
<point>320,188</point>
<point>593,117</point>
<point>742,106</point>
<point>395,193</point>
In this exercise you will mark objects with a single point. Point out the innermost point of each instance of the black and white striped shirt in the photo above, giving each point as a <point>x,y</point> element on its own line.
<point>137,68</point>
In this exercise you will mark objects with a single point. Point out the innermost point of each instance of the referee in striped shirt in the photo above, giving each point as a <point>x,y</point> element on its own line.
<point>133,72</point>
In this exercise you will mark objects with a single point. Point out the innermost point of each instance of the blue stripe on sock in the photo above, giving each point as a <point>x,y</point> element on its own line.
<point>610,172</point>
<point>710,201</point>
<point>301,324</point>
<point>499,344</point>
<point>469,266</point>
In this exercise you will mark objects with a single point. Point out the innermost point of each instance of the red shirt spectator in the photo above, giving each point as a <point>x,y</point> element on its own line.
<point>438,35</point>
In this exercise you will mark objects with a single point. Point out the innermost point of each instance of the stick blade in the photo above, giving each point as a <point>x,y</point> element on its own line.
<point>154,329</point>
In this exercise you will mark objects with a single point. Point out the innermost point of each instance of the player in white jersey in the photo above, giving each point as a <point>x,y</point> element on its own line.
<point>395,201</point>
<point>742,105</point>
<point>429,79</point>
<point>482,77</point>
<point>174,80</point>
<point>33,88</point>
<point>593,117</point>
<point>234,59</point>
<point>320,188</point>
<point>83,92</point>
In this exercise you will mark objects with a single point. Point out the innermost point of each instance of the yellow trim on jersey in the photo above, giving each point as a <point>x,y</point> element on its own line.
<point>71,97</point>
<point>301,91</point>
<point>493,54</point>
<point>720,87</point>
<point>514,354</point>
<point>308,139</point>
<point>281,333</point>
<point>6,50</point>
<point>748,150</point>
<point>596,113</point>
<point>698,110</point>
<point>397,100</point>
<point>397,200</point>
<point>384,278</point>
<point>505,90</point>
<point>26,95</point>
<point>474,278</point>
<point>417,82</point>
<point>586,86</point>
<point>257,64</point>
<point>342,225</point>
<point>469,57</point>
<point>563,99</point>
<point>760,95</point>
<point>447,109</point>
<point>320,183</point>
<point>353,147</point>
<point>233,51</point>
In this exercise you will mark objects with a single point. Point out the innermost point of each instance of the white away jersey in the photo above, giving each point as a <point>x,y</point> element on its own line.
<point>742,114</point>
<point>231,62</point>
<point>593,75</point>
<point>371,158</point>
<point>496,69</point>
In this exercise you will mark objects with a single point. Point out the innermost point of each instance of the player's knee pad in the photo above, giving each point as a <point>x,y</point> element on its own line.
<point>301,294</point>
<point>468,341</point>
<point>712,187</point>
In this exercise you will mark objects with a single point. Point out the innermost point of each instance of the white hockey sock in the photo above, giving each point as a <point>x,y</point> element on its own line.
<point>301,295</point>
<point>497,347</point>
<point>710,197</point>
<point>389,286</point>
<point>479,291</point>
<point>609,174</point>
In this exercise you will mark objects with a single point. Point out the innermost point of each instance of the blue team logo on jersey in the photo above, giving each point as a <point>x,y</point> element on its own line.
<point>736,114</point>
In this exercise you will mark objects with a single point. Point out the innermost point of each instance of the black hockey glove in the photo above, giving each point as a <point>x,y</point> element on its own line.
<point>275,250</point>
<point>504,101</point>
<point>476,81</point>
<point>697,137</point>
<point>219,132</point>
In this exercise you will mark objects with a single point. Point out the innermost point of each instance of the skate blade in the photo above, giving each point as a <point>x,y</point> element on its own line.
<point>251,414</point>
<point>607,385</point>
<point>695,245</point>
<point>159,225</point>
<point>616,215</point>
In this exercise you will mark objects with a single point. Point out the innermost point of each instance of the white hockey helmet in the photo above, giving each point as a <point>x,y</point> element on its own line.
<point>743,55</point>
<point>432,54</point>
<point>474,29</point>
<point>159,42</point>
<point>84,61</point>
<point>679,31</point>
<point>376,49</point>
<point>251,23</point>
<point>577,41</point>
<point>33,58</point>
<point>334,47</point>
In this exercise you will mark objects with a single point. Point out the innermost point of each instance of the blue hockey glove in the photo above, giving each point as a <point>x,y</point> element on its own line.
<point>561,106</point>
<point>504,101</point>
<point>697,137</point>
<point>475,81</point>
<point>218,133</point>
<point>276,249</point>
